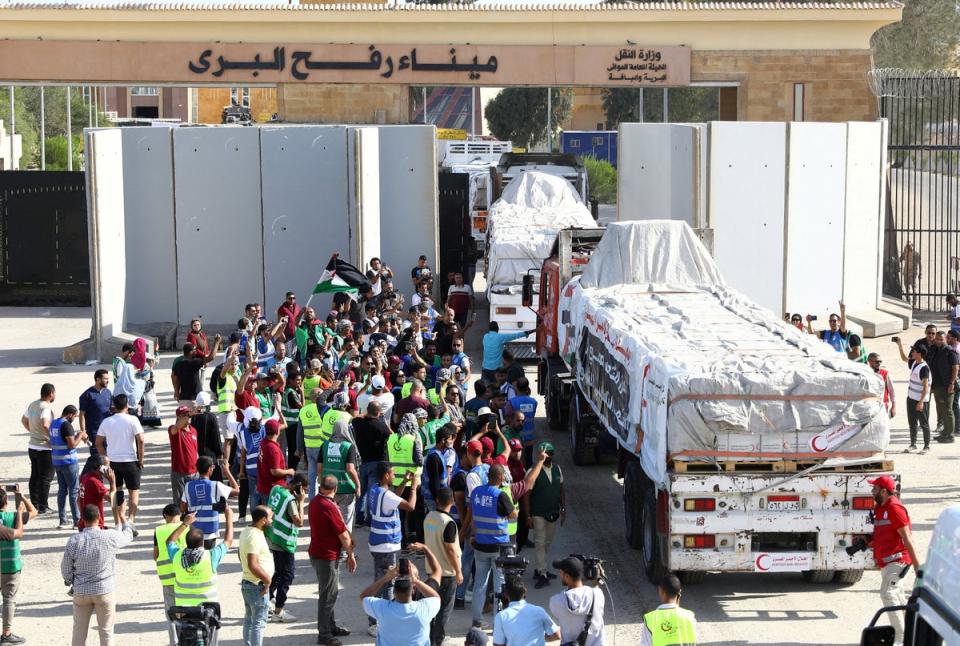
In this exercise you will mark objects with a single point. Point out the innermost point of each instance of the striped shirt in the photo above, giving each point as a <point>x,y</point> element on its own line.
<point>89,557</point>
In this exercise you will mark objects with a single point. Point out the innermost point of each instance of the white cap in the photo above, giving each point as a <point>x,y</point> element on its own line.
<point>203,398</point>
<point>378,382</point>
<point>483,410</point>
<point>251,412</point>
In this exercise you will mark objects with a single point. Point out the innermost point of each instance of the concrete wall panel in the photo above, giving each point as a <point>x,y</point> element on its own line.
<point>217,176</point>
<point>815,217</point>
<point>746,207</point>
<point>365,192</point>
<point>150,231</point>
<point>862,248</point>
<point>305,206</point>
<point>658,174</point>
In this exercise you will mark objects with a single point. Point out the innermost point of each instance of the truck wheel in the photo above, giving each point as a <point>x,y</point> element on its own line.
<point>692,577</point>
<point>632,503</point>
<point>554,418</point>
<point>650,556</point>
<point>583,453</point>
<point>848,577</point>
<point>818,576</point>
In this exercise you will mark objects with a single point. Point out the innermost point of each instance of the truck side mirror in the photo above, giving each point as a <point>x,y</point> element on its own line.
<point>526,294</point>
<point>878,636</point>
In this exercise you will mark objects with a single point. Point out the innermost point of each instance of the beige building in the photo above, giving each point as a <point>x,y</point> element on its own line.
<point>769,60</point>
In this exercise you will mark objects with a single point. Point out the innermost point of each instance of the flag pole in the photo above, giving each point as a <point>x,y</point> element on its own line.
<point>309,300</point>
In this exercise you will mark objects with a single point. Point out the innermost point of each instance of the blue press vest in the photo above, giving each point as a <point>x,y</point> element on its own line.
<point>454,513</point>
<point>384,527</point>
<point>835,340</point>
<point>251,443</point>
<point>200,500</point>
<point>482,470</point>
<point>490,528</point>
<point>62,454</point>
<point>528,406</point>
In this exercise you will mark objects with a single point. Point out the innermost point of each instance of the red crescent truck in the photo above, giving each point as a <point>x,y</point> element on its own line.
<point>742,443</point>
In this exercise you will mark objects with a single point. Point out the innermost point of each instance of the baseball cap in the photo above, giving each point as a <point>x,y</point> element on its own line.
<point>183,411</point>
<point>884,482</point>
<point>203,398</point>
<point>571,566</point>
<point>487,444</point>
<point>516,444</point>
<point>546,446</point>
<point>315,364</point>
<point>251,412</point>
<point>484,410</point>
<point>419,413</point>
<point>272,426</point>
<point>473,446</point>
<point>475,637</point>
<point>377,381</point>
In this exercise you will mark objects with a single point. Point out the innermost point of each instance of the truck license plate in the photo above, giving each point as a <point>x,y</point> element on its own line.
<point>783,503</point>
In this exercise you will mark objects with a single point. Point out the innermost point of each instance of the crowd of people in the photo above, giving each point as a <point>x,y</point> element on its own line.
<point>367,418</point>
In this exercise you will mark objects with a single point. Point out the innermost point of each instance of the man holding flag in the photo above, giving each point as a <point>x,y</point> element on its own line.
<point>341,276</point>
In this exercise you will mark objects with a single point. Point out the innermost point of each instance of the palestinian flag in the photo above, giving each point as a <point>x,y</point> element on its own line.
<point>341,276</point>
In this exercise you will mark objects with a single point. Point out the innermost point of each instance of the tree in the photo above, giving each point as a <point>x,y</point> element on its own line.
<point>57,152</point>
<point>926,38</point>
<point>24,125</point>
<point>519,114</point>
<point>602,177</point>
<point>685,105</point>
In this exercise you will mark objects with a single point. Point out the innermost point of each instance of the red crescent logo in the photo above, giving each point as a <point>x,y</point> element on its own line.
<point>761,562</point>
<point>813,444</point>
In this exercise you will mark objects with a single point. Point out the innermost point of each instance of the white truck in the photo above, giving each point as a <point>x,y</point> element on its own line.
<point>743,444</point>
<point>521,228</point>
<point>477,159</point>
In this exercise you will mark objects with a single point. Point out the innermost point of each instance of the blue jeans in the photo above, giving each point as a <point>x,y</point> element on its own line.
<point>466,563</point>
<point>485,564</point>
<point>256,605</point>
<point>313,457</point>
<point>68,482</point>
<point>368,478</point>
<point>383,561</point>
<point>255,499</point>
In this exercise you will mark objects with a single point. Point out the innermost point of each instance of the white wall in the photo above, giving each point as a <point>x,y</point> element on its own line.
<point>365,211</point>
<point>863,228</point>
<point>658,172</point>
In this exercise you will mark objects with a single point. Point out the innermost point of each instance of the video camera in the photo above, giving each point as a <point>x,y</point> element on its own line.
<point>591,566</point>
<point>859,545</point>
<point>510,563</point>
<point>195,625</point>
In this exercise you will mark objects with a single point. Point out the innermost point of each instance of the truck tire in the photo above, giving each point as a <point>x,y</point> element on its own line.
<point>692,577</point>
<point>818,576</point>
<point>582,452</point>
<point>848,577</point>
<point>650,556</point>
<point>632,503</point>
<point>554,407</point>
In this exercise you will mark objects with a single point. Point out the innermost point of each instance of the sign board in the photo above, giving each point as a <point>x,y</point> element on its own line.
<point>782,561</point>
<point>257,63</point>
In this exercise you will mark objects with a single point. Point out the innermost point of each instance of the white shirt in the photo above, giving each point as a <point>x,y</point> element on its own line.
<point>118,431</point>
<point>223,491</point>
<point>390,503</point>
<point>473,481</point>
<point>646,639</point>
<point>570,622</point>
<point>385,399</point>
<point>46,414</point>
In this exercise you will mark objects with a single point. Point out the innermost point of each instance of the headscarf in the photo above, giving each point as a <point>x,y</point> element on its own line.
<point>139,358</point>
<point>190,556</point>
<point>408,425</point>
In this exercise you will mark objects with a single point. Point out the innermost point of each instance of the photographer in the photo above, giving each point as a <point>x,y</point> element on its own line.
<point>579,610</point>
<point>401,620</point>
<point>11,531</point>
<point>521,623</point>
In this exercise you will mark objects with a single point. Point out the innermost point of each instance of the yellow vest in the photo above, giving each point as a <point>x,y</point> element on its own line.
<point>400,455</point>
<point>195,585</point>
<point>405,389</point>
<point>512,524</point>
<point>310,422</point>
<point>671,627</point>
<point>328,420</point>
<point>164,564</point>
<point>227,393</point>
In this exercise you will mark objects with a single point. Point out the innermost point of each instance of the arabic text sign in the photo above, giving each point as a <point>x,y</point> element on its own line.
<point>231,63</point>
<point>782,562</point>
<point>606,382</point>
<point>833,437</point>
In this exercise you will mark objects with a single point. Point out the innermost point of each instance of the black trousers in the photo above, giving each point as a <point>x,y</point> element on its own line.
<point>41,475</point>
<point>438,626</point>
<point>291,436</point>
<point>917,418</point>
<point>284,572</point>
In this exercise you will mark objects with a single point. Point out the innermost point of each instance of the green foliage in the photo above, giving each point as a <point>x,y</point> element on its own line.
<point>603,180</point>
<point>57,152</point>
<point>927,38</point>
<point>519,114</point>
<point>24,125</point>
<point>686,105</point>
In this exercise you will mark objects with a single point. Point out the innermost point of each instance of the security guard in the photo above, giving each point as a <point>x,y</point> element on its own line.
<point>669,624</point>
<point>404,450</point>
<point>195,567</point>
<point>161,535</point>
<point>337,411</point>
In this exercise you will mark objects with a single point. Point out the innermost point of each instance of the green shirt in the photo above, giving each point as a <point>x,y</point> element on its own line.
<point>428,434</point>
<point>10,562</point>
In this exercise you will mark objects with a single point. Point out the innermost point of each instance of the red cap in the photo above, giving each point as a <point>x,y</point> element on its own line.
<point>516,444</point>
<point>884,482</point>
<point>272,426</point>
<point>487,444</point>
<point>183,411</point>
<point>474,447</point>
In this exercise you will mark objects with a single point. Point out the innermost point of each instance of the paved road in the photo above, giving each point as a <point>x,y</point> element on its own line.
<point>775,609</point>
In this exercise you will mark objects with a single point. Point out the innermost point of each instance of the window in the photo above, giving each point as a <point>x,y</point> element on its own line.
<point>141,90</point>
<point>574,143</point>
<point>240,96</point>
<point>598,141</point>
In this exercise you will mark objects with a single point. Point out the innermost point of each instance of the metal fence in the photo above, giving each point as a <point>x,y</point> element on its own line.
<point>922,241</point>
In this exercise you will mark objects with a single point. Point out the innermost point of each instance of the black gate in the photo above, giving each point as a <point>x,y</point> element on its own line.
<point>44,257</point>
<point>922,241</point>
<point>456,241</point>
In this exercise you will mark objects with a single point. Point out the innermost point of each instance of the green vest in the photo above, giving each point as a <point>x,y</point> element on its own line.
<point>195,585</point>
<point>227,393</point>
<point>511,524</point>
<point>164,564</point>
<point>310,384</point>
<point>433,397</point>
<point>291,415</point>
<point>334,456</point>
<point>545,495</point>
<point>428,434</point>
<point>329,419</point>
<point>265,400</point>
<point>9,550</point>
<point>671,626</point>
<point>310,422</point>
<point>400,454</point>
<point>405,389</point>
<point>282,532</point>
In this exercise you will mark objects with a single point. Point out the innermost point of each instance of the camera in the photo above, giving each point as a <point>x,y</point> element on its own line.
<point>510,563</point>
<point>895,339</point>
<point>404,561</point>
<point>10,488</point>
<point>859,545</point>
<point>195,624</point>
<point>591,566</point>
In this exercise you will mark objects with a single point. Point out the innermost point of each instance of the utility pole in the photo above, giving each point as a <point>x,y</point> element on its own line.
<point>69,133</point>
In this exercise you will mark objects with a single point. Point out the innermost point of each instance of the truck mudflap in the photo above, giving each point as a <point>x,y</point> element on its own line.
<point>726,523</point>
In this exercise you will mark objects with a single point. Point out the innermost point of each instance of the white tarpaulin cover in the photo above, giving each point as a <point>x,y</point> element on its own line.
<point>523,224</point>
<point>702,371</point>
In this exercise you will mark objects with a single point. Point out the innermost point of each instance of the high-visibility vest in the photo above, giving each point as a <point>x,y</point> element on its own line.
<point>329,419</point>
<point>490,527</point>
<point>671,627</point>
<point>200,501</point>
<point>164,564</point>
<point>227,393</point>
<point>334,455</point>
<point>915,385</point>
<point>290,414</point>
<point>310,421</point>
<point>194,585</point>
<point>265,402</point>
<point>511,524</point>
<point>252,443</point>
<point>282,532</point>
<point>10,562</point>
<point>400,455</point>
<point>433,397</point>
<point>63,455</point>
<point>405,389</point>
<point>384,526</point>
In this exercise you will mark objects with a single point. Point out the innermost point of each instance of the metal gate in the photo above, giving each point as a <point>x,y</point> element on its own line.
<point>922,237</point>
<point>44,257</point>
<point>456,242</point>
